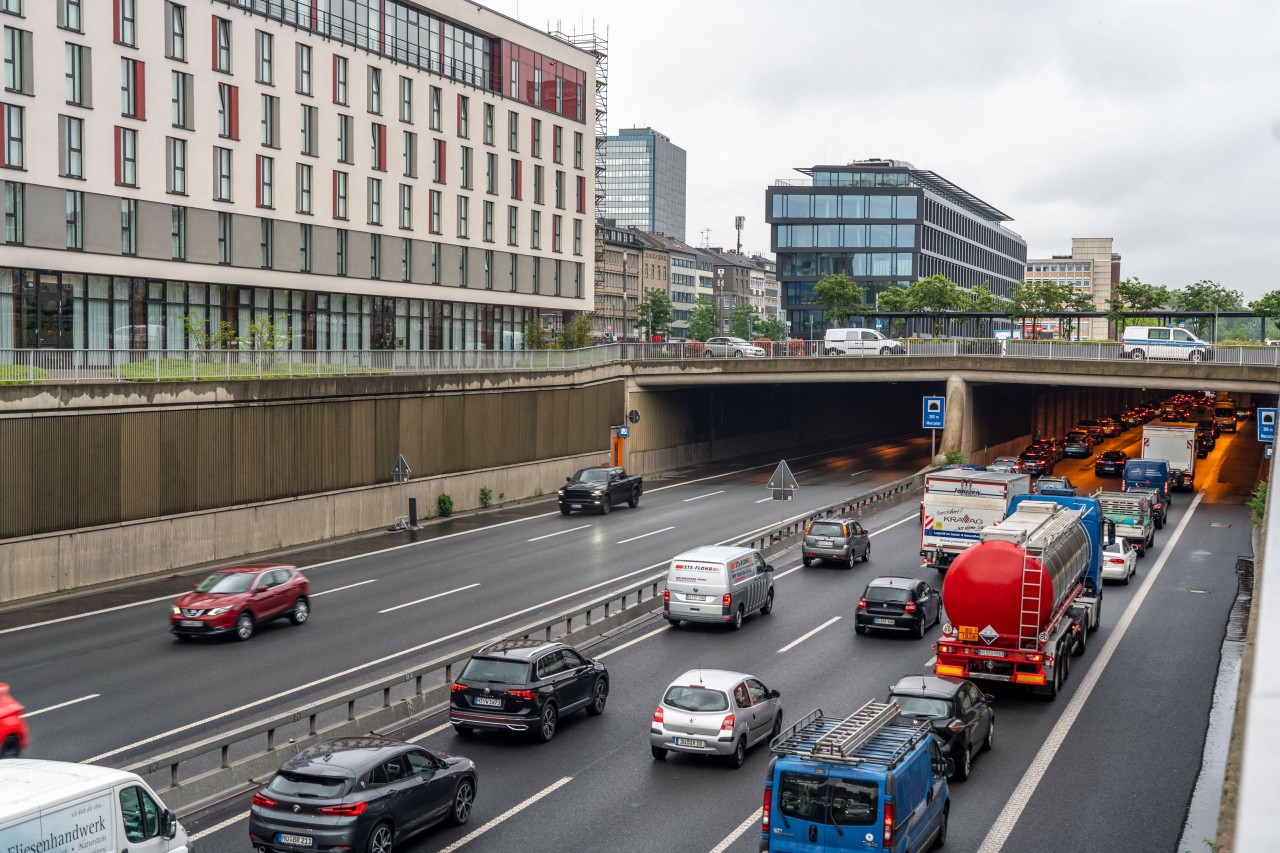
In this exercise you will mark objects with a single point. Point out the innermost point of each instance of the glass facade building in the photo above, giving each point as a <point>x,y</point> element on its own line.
<point>883,222</point>
<point>644,182</point>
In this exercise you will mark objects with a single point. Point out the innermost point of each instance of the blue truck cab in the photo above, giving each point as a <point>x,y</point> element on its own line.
<point>1100,532</point>
<point>866,782</point>
<point>1148,474</point>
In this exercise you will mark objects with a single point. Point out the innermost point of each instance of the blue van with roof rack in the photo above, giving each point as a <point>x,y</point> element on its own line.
<point>869,781</point>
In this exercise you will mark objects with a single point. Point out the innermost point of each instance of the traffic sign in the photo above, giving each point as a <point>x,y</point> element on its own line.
<point>1266,424</point>
<point>935,412</point>
<point>633,416</point>
<point>400,471</point>
<point>624,431</point>
<point>1268,451</point>
<point>782,478</point>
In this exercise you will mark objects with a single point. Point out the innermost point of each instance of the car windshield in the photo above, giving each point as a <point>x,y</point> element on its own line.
<point>226,583</point>
<point>920,706</point>
<point>1076,436</point>
<point>735,340</point>
<point>592,475</point>
<point>305,785</point>
<point>888,593</point>
<point>826,528</point>
<point>696,699</point>
<point>495,670</point>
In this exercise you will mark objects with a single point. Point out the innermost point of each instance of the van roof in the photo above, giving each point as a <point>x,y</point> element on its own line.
<point>713,554</point>
<point>26,783</point>
<point>874,734</point>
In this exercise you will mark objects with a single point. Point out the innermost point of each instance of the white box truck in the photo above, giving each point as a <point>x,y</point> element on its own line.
<point>1175,444</point>
<point>958,504</point>
<point>60,807</point>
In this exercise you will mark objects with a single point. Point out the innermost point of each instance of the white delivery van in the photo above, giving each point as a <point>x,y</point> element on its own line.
<point>1143,342</point>
<point>716,584</point>
<point>859,342</point>
<point>60,807</point>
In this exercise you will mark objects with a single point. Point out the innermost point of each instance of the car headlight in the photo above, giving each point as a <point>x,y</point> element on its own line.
<point>597,491</point>
<point>560,493</point>
<point>218,611</point>
<point>176,610</point>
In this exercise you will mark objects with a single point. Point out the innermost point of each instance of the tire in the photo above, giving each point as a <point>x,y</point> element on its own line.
<point>1078,648</point>
<point>1138,355</point>
<point>739,754</point>
<point>807,560</point>
<point>464,798</point>
<point>738,614</point>
<point>658,753</point>
<point>777,726</point>
<point>942,829</point>
<point>1127,575</point>
<point>9,749</point>
<point>1194,356</point>
<point>463,730</point>
<point>564,510</point>
<point>965,765</point>
<point>547,722</point>
<point>990,740</point>
<point>767,607</point>
<point>886,350</point>
<point>737,353</point>
<point>380,839</point>
<point>301,611</point>
<point>634,500</point>
<point>920,628</point>
<point>607,506</point>
<point>673,623</point>
<point>244,626</point>
<point>599,697</point>
<point>708,354</point>
<point>859,629</point>
<point>866,555</point>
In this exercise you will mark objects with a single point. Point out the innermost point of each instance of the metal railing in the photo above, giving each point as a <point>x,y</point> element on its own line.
<point>221,765</point>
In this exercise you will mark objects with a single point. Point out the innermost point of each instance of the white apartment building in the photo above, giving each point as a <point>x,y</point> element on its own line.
<point>380,174</point>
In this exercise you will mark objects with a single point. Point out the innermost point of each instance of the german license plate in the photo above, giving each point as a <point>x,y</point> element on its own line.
<point>884,621</point>
<point>991,653</point>
<point>575,506</point>
<point>691,597</point>
<point>189,623</point>
<point>295,840</point>
<point>685,741</point>
<point>824,543</point>
<point>487,702</point>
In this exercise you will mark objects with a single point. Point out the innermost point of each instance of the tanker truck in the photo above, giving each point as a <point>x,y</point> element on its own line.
<point>1022,600</point>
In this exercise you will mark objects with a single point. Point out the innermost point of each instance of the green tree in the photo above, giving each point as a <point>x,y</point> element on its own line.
<point>1268,308</point>
<point>935,296</point>
<point>742,320</point>
<point>1134,295</point>
<point>1206,295</point>
<point>535,335</point>
<point>655,312</point>
<point>704,319</point>
<point>576,334</point>
<point>893,299</point>
<point>1074,300</point>
<point>772,328</point>
<point>1031,300</point>
<point>207,334</point>
<point>840,298</point>
<point>985,301</point>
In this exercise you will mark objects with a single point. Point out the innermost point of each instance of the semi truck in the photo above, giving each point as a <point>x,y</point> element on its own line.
<point>1133,517</point>
<point>1176,444</point>
<point>958,505</point>
<point>1021,602</point>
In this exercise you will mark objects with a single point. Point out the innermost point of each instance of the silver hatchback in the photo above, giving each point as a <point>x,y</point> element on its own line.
<point>715,712</point>
<point>840,539</point>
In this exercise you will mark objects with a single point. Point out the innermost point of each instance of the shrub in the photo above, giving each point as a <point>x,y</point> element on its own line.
<point>444,506</point>
<point>795,347</point>
<point>693,349</point>
<point>1258,503</point>
<point>956,457</point>
<point>486,496</point>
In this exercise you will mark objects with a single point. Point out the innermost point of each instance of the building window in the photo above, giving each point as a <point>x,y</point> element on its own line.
<point>537,275</point>
<point>438,161</point>
<point>488,124</point>
<point>228,111</point>
<point>435,108</point>
<point>176,164</point>
<point>488,269</point>
<point>535,229</point>
<point>464,117</point>
<point>341,246</point>
<point>406,259</point>
<point>270,121</point>
<point>180,98</point>
<point>577,150</point>
<point>375,256</point>
<point>375,90</point>
<point>488,222</point>
<point>128,226</point>
<point>266,243</point>
<point>379,138</point>
<point>466,167</point>
<point>577,237</point>
<point>537,184</point>
<point>75,219</point>
<point>304,188</point>
<point>375,201</point>
<point>346,129</point>
<point>517,182</point>
<point>434,202</point>
<point>266,58</point>
<point>555,234</point>
<point>77,74</point>
<point>71,147</point>
<point>535,137</point>
<point>126,157</point>
<point>462,267</point>
<point>577,281</point>
<point>178,233</point>
<point>15,202</point>
<point>513,225</point>
<point>17,60</point>
<point>513,131</point>
<point>555,278</point>
<point>224,238</point>
<point>435,263</point>
<point>221,45</point>
<point>304,248</point>
<point>515,273</point>
<point>310,121</point>
<point>410,154</point>
<point>126,14</point>
<point>406,206</point>
<point>340,185</point>
<point>133,100</point>
<point>175,32</point>
<point>340,80</point>
<point>266,181</point>
<point>406,100</point>
<point>302,68</point>
<point>69,15</point>
<point>14,134</point>
<point>221,174</point>
<point>491,174</point>
<point>463,205</point>
<point>559,189</point>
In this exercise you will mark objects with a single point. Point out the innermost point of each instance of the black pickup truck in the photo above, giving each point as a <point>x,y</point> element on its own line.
<point>599,488</point>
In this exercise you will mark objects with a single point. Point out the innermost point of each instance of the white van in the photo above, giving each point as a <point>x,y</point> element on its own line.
<point>717,584</point>
<point>859,342</point>
<point>1142,342</point>
<point>60,807</point>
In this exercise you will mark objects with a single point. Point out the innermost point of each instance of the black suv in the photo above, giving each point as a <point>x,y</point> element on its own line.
<point>958,711</point>
<point>526,686</point>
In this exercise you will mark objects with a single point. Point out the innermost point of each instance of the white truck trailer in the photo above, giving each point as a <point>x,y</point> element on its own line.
<point>958,504</point>
<point>1175,444</point>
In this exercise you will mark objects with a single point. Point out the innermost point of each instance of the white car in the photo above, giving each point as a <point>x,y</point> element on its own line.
<point>737,347</point>
<point>860,342</point>
<point>1119,561</point>
<point>714,712</point>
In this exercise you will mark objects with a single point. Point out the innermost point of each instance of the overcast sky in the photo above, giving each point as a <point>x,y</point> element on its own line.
<point>1156,123</point>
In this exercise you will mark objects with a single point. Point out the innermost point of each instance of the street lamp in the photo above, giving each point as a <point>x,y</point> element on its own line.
<point>720,299</point>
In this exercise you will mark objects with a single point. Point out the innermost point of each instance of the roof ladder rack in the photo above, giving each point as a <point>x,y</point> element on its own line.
<point>855,730</point>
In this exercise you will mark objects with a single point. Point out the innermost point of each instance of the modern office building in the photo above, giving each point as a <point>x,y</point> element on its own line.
<point>883,222</point>
<point>1092,268</point>
<point>371,173</point>
<point>644,182</point>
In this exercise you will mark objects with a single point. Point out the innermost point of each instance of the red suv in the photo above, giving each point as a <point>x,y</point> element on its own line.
<point>13,731</point>
<point>237,598</point>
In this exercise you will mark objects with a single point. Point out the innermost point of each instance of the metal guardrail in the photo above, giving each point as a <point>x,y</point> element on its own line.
<point>42,366</point>
<point>215,767</point>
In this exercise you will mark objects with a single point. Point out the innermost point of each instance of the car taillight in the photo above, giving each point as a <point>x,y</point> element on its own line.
<point>807,528</point>
<point>862,603</point>
<point>726,725</point>
<point>727,600</point>
<point>666,595</point>
<point>345,810</point>
<point>457,688</point>
<point>527,695</point>
<point>764,810</point>
<point>887,841</point>
<point>910,607</point>
<point>261,799</point>
<point>657,714</point>
<point>1115,561</point>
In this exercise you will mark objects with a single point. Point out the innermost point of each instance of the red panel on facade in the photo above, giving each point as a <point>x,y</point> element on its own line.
<point>213,56</point>
<point>234,107</point>
<point>115,22</point>
<point>519,180</point>
<point>335,78</point>
<point>140,87</point>
<point>119,155</point>
<point>548,96</point>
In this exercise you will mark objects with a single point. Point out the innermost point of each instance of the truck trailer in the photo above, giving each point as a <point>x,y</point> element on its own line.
<point>1133,516</point>
<point>958,505</point>
<point>1176,444</point>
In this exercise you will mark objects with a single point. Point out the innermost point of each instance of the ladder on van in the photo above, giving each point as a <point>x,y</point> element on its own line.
<point>834,740</point>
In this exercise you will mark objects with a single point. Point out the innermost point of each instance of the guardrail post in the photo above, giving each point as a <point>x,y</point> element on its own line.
<point>271,740</point>
<point>386,697</point>
<point>226,756</point>
<point>173,775</point>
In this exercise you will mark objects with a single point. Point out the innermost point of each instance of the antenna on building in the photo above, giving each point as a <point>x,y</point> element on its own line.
<point>706,238</point>
<point>738,222</point>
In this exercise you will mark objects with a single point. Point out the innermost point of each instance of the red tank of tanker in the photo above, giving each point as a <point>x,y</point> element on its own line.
<point>984,584</point>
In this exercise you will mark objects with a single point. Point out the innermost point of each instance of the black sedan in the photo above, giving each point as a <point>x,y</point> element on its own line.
<point>898,604</point>
<point>1110,462</point>
<point>959,713</point>
<point>1038,462</point>
<point>359,793</point>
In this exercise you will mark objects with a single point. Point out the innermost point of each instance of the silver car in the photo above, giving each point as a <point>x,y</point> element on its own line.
<point>840,540</point>
<point>723,347</point>
<point>714,712</point>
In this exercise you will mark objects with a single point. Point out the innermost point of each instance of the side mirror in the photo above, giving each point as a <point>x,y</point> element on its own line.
<point>168,824</point>
<point>260,590</point>
<point>988,698</point>
<point>768,568</point>
<point>773,694</point>
<point>568,479</point>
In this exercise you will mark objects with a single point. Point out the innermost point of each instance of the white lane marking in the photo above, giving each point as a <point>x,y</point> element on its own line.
<point>999,832</point>
<point>788,571</point>
<point>92,613</point>
<point>737,833</point>
<point>700,497</point>
<point>762,500</point>
<point>791,645</point>
<point>559,532</point>
<point>753,468</point>
<point>630,643</point>
<point>218,827</point>
<point>805,471</point>
<point>642,535</point>
<point>930,662</point>
<point>428,733</point>
<point>509,813</point>
<point>856,473</point>
<point>341,588</point>
<point>62,704</point>
<point>430,597</point>
<point>915,517</point>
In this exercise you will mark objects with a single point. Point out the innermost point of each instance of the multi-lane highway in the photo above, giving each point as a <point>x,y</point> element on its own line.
<point>1118,751</point>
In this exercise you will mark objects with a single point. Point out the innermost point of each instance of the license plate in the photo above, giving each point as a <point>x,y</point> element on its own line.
<point>991,653</point>
<point>487,702</point>
<point>295,840</point>
<point>824,543</point>
<point>691,597</point>
<point>684,741</point>
<point>884,621</point>
<point>575,506</point>
<point>190,623</point>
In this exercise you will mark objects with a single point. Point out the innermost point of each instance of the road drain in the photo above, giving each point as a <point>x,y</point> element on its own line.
<point>1199,591</point>
<point>1219,524</point>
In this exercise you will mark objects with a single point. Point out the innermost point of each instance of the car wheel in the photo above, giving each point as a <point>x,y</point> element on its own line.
<point>737,353</point>
<point>463,799</point>
<point>606,506</point>
<point>777,726</point>
<point>1195,355</point>
<point>380,839</point>
<point>859,629</point>
<point>1079,647</point>
<point>737,618</point>
<point>673,623</point>
<point>853,558</point>
<point>739,753</point>
<point>1138,355</point>
<point>463,730</point>
<point>807,560</point>
<point>920,629</point>
<point>547,723</point>
<point>942,829</point>
<point>965,764</point>
<point>599,697</point>
<point>1127,575</point>
<point>886,350</point>
<point>708,354</point>
<point>564,510</point>
<point>866,555</point>
<point>9,749</point>
<point>767,607</point>
<point>990,740</point>
<point>301,611</point>
<point>832,352</point>
<point>658,753</point>
<point>244,626</point>
<point>634,500</point>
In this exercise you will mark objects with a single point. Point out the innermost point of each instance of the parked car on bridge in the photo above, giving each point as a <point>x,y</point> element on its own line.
<point>715,712</point>
<point>237,599</point>
<point>724,347</point>
<point>860,342</point>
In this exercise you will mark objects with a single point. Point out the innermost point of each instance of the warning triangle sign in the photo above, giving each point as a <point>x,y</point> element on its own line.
<point>782,478</point>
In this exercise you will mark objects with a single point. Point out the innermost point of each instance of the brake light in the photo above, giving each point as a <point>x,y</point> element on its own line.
<point>948,669</point>
<point>726,725</point>
<point>527,695</point>
<point>807,528</point>
<point>261,799</point>
<point>657,714</point>
<point>1035,657</point>
<point>764,810</point>
<point>666,595</point>
<point>862,603</point>
<point>946,650</point>
<point>345,810</point>
<point>888,825</point>
<point>727,600</point>
<point>910,607</point>
<point>457,688</point>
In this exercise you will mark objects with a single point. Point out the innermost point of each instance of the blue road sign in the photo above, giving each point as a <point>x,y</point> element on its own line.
<point>1268,451</point>
<point>935,412</point>
<point>1266,424</point>
<point>624,431</point>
